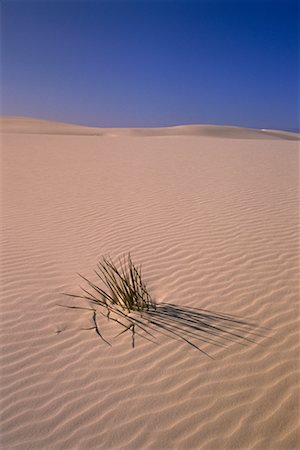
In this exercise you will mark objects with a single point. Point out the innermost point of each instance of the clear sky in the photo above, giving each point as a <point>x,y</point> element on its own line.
<point>152,63</point>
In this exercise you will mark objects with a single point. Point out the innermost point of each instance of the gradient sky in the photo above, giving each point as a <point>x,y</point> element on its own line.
<point>152,63</point>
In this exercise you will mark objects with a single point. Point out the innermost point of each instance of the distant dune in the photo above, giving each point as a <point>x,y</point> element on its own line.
<point>20,124</point>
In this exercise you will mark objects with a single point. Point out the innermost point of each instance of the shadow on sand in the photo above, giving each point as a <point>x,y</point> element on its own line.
<point>192,326</point>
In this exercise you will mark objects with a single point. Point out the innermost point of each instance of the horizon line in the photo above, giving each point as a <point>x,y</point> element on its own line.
<point>17,116</point>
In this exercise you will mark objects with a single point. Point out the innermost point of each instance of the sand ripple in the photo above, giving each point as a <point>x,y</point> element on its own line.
<point>214,224</point>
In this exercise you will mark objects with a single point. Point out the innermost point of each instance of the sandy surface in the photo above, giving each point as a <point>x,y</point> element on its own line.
<point>211,213</point>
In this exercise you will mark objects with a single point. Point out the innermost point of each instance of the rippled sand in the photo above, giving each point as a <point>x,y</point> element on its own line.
<point>211,213</point>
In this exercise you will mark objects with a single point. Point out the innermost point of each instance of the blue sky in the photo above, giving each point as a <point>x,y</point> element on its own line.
<point>152,63</point>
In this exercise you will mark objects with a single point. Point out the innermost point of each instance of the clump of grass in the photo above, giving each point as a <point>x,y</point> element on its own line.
<point>121,287</point>
<point>124,285</point>
<point>121,292</point>
<point>121,296</point>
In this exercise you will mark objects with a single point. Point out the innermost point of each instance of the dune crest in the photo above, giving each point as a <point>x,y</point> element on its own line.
<point>19,124</point>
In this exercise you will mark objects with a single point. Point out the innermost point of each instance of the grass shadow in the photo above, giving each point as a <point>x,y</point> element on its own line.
<point>124,299</point>
<point>195,326</point>
<point>192,326</point>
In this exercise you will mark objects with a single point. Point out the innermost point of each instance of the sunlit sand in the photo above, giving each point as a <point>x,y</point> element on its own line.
<point>211,214</point>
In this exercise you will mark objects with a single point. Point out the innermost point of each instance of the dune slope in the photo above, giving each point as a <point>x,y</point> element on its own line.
<point>19,124</point>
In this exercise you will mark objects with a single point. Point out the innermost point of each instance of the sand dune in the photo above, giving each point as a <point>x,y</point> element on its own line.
<point>214,223</point>
<point>15,124</point>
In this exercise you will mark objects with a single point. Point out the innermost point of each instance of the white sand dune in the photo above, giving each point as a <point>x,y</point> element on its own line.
<point>214,223</point>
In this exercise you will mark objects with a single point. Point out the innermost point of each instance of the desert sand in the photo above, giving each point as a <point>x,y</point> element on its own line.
<point>211,213</point>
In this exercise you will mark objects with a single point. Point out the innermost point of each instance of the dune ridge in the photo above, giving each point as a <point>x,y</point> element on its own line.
<point>214,223</point>
<point>19,124</point>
